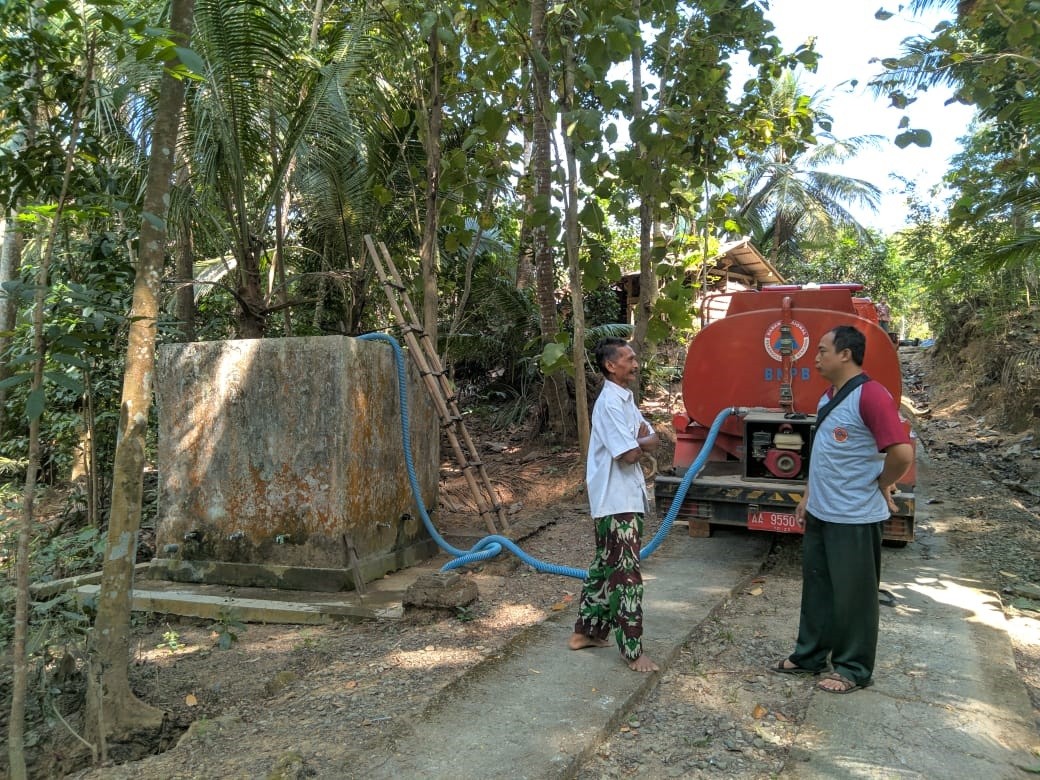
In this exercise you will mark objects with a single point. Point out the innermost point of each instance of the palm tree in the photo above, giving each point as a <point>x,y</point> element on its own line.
<point>987,56</point>
<point>790,195</point>
<point>268,97</point>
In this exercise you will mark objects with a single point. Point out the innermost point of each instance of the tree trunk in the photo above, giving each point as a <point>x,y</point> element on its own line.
<point>525,274</point>
<point>277,278</point>
<point>428,248</point>
<point>19,666</point>
<point>10,264</point>
<point>113,711</point>
<point>83,475</point>
<point>467,279</point>
<point>555,395</point>
<point>34,409</point>
<point>647,274</point>
<point>252,320</point>
<point>186,291</point>
<point>572,243</point>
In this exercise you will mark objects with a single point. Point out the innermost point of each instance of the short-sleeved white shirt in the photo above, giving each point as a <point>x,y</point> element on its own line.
<point>614,486</point>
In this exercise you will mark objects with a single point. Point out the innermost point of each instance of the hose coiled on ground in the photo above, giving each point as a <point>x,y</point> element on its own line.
<point>492,545</point>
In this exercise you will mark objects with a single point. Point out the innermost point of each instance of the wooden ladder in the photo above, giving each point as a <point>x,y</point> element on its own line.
<point>424,353</point>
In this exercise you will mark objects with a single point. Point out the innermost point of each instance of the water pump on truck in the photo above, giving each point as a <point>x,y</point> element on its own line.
<point>760,358</point>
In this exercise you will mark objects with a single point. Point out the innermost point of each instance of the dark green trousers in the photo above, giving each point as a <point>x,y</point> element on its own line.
<point>841,572</point>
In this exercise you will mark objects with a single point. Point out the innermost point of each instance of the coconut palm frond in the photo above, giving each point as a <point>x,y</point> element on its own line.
<point>921,67</point>
<point>1022,250</point>
<point>613,330</point>
<point>839,151</point>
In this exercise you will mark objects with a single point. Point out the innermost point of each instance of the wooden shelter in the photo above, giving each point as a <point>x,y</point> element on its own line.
<point>738,266</point>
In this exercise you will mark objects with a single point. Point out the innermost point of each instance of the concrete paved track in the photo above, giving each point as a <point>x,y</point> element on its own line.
<point>947,702</point>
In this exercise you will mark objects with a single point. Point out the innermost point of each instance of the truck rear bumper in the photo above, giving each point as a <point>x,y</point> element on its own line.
<point>723,500</point>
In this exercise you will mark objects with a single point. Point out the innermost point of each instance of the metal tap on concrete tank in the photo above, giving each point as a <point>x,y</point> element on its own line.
<point>760,357</point>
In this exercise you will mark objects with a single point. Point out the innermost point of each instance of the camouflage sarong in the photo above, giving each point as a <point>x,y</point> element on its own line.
<point>612,596</point>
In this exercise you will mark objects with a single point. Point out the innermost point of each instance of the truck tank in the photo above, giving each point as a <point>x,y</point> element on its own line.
<point>761,357</point>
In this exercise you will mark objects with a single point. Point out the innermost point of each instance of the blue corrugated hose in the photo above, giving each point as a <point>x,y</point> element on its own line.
<point>492,545</point>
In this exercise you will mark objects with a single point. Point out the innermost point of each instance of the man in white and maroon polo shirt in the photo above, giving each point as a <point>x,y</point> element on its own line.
<point>859,451</point>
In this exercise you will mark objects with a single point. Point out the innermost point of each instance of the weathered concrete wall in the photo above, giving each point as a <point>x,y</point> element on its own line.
<point>279,451</point>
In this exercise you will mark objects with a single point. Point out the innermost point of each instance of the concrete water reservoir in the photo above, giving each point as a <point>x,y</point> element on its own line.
<point>276,454</point>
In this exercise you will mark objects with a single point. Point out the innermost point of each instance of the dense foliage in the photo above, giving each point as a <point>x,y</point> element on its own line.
<point>307,127</point>
<point>981,253</point>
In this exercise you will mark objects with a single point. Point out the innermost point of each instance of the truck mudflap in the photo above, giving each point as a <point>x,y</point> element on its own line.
<point>760,506</point>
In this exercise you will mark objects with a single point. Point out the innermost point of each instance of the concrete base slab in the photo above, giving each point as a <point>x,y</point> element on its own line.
<point>48,589</point>
<point>382,600</point>
<point>269,575</point>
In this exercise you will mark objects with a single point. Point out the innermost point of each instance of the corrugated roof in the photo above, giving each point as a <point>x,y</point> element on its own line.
<point>743,258</point>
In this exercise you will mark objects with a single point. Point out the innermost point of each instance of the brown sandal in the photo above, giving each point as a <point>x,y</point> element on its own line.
<point>781,669</point>
<point>847,685</point>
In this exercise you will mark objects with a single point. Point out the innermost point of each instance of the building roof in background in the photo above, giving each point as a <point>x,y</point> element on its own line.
<point>741,259</point>
<point>738,261</point>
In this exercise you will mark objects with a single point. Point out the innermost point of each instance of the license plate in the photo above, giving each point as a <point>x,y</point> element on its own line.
<point>779,522</point>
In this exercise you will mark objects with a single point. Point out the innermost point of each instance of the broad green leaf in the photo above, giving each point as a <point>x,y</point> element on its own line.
<point>54,7</point>
<point>156,222</point>
<point>14,379</point>
<point>191,60</point>
<point>34,404</point>
<point>591,216</point>
<point>429,21</point>
<point>1021,31</point>
<point>555,357</point>
<point>921,138</point>
<point>64,380</point>
<point>382,195</point>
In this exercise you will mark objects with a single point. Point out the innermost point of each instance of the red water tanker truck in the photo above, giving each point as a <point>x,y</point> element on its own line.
<point>760,359</point>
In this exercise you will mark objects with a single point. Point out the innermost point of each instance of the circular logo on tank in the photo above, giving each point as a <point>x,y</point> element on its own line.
<point>797,336</point>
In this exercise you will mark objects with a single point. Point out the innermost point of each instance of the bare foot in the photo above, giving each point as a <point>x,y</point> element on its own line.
<point>643,664</point>
<point>580,641</point>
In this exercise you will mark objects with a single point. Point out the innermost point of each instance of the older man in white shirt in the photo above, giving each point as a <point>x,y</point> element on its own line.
<point>612,595</point>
